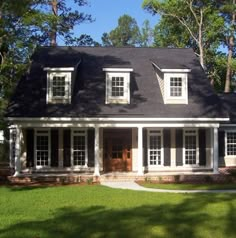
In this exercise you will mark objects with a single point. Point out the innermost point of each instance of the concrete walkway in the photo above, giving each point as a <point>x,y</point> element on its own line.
<point>131,185</point>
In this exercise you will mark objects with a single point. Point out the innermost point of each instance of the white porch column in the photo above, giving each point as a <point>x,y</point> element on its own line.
<point>140,150</point>
<point>96,152</point>
<point>17,154</point>
<point>215,150</point>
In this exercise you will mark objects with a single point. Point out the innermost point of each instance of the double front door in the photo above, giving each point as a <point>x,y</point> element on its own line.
<point>117,150</point>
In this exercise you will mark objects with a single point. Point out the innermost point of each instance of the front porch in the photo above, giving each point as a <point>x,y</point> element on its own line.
<point>121,147</point>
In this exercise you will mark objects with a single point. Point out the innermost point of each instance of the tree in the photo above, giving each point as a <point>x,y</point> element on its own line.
<point>146,35</point>
<point>169,33</point>
<point>125,34</point>
<point>26,24</point>
<point>200,19</point>
<point>228,11</point>
<point>62,19</point>
<point>106,40</point>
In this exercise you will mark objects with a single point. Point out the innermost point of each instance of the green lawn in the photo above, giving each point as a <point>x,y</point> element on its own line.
<point>97,211</point>
<point>180,186</point>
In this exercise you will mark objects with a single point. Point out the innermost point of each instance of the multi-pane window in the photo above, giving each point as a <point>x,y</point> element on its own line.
<point>79,150</point>
<point>176,86</point>
<point>58,86</point>
<point>117,149</point>
<point>155,147</point>
<point>190,146</point>
<point>231,143</point>
<point>42,148</point>
<point>117,86</point>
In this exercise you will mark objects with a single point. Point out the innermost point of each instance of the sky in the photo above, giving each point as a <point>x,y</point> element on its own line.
<point>106,14</point>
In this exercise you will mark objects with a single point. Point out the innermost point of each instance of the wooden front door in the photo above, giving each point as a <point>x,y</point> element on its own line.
<point>117,150</point>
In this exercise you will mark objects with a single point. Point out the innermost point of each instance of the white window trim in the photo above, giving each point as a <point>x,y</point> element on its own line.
<point>158,132</point>
<point>1,136</point>
<point>63,99</point>
<point>119,100</point>
<point>171,70</point>
<point>196,133</point>
<point>168,99</point>
<point>117,69</point>
<point>64,69</point>
<point>225,140</point>
<point>48,133</point>
<point>84,132</point>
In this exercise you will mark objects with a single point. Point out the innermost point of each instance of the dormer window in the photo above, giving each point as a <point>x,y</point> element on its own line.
<point>59,85</point>
<point>173,81</point>
<point>175,88</point>
<point>117,85</point>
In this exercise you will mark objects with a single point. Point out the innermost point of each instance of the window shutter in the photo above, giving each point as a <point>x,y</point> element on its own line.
<point>90,138</point>
<point>221,140</point>
<point>67,148</point>
<point>167,145</point>
<point>30,148</point>
<point>202,146</point>
<point>179,147</point>
<point>145,149</point>
<point>54,148</point>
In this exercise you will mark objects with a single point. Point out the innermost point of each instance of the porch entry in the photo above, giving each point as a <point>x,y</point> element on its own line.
<point>117,155</point>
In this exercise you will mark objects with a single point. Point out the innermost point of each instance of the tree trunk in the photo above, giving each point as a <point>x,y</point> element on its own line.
<point>53,34</point>
<point>230,55</point>
<point>200,40</point>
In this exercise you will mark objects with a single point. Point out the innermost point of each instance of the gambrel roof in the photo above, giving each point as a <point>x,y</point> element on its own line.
<point>88,99</point>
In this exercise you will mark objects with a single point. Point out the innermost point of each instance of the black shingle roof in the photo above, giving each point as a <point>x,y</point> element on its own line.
<point>229,102</point>
<point>88,98</point>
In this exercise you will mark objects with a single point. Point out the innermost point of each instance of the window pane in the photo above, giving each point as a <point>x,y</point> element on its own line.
<point>58,86</point>
<point>190,149</point>
<point>231,143</point>
<point>42,150</point>
<point>117,86</point>
<point>155,150</point>
<point>79,150</point>
<point>175,87</point>
<point>117,149</point>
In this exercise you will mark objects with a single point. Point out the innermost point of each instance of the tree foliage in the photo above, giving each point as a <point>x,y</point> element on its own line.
<point>228,12</point>
<point>125,34</point>
<point>26,24</point>
<point>200,19</point>
<point>146,35</point>
<point>203,25</point>
<point>128,33</point>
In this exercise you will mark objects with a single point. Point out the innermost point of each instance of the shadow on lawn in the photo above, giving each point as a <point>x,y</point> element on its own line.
<point>186,219</point>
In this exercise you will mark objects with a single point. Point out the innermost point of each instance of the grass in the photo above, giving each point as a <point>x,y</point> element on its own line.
<point>97,211</point>
<point>182,186</point>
